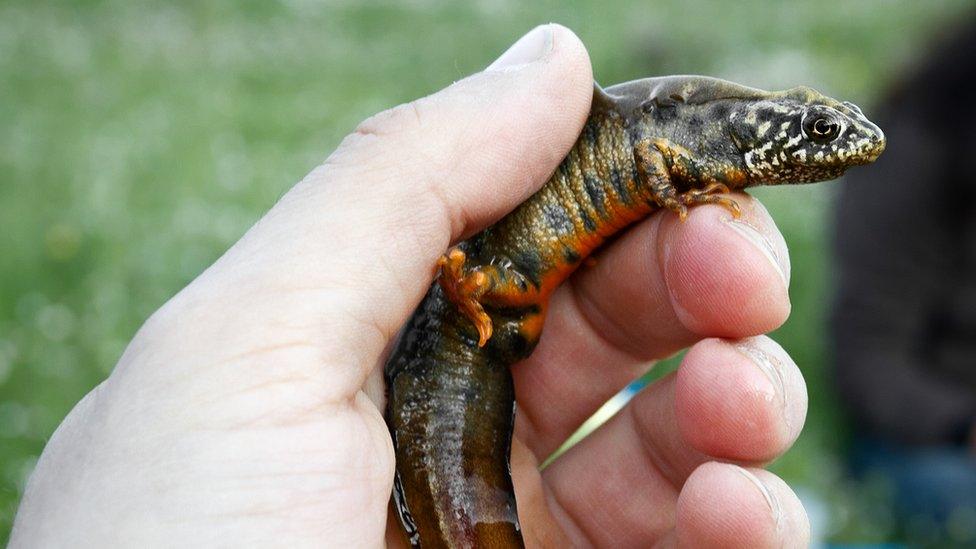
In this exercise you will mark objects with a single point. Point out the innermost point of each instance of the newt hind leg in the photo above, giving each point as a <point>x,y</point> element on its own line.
<point>469,285</point>
<point>465,289</point>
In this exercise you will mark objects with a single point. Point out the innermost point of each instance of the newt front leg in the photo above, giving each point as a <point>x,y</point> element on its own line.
<point>659,160</point>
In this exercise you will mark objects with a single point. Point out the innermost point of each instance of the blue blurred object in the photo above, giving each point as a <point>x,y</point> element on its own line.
<point>928,482</point>
<point>866,546</point>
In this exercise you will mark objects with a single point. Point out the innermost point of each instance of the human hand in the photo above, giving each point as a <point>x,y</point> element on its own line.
<point>248,409</point>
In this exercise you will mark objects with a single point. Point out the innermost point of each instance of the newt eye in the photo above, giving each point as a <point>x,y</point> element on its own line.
<point>820,128</point>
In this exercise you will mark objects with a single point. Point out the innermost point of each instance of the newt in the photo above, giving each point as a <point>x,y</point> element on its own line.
<point>665,143</point>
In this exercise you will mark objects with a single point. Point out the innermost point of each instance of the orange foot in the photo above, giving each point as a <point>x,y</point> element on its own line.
<point>464,290</point>
<point>708,195</point>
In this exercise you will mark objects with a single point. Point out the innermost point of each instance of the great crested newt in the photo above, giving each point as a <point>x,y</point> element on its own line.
<point>666,143</point>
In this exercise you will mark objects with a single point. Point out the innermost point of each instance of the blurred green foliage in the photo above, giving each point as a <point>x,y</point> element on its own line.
<point>138,140</point>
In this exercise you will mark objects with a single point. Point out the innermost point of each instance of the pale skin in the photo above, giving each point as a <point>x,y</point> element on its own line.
<point>248,409</point>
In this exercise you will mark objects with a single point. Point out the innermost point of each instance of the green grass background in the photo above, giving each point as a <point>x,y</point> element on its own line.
<point>138,140</point>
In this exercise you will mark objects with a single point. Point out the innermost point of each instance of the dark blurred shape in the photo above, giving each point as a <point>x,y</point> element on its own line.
<point>904,319</point>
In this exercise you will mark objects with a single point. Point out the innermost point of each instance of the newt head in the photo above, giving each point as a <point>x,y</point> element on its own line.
<point>802,136</point>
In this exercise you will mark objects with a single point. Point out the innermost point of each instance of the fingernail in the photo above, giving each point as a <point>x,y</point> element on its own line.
<point>756,237</point>
<point>772,368</point>
<point>531,47</point>
<point>775,509</point>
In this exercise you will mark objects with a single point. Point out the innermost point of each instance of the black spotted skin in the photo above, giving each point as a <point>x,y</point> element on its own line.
<point>658,143</point>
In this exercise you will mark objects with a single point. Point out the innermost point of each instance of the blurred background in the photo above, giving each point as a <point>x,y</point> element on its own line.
<point>139,140</point>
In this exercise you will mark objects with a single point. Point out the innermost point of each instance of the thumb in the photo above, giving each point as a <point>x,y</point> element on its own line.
<point>354,244</point>
<point>486,143</point>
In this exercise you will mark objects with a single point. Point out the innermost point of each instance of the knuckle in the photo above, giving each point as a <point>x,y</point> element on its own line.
<point>393,141</point>
<point>405,118</point>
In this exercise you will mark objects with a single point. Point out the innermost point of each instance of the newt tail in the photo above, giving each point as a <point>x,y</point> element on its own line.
<point>452,410</point>
<point>666,143</point>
